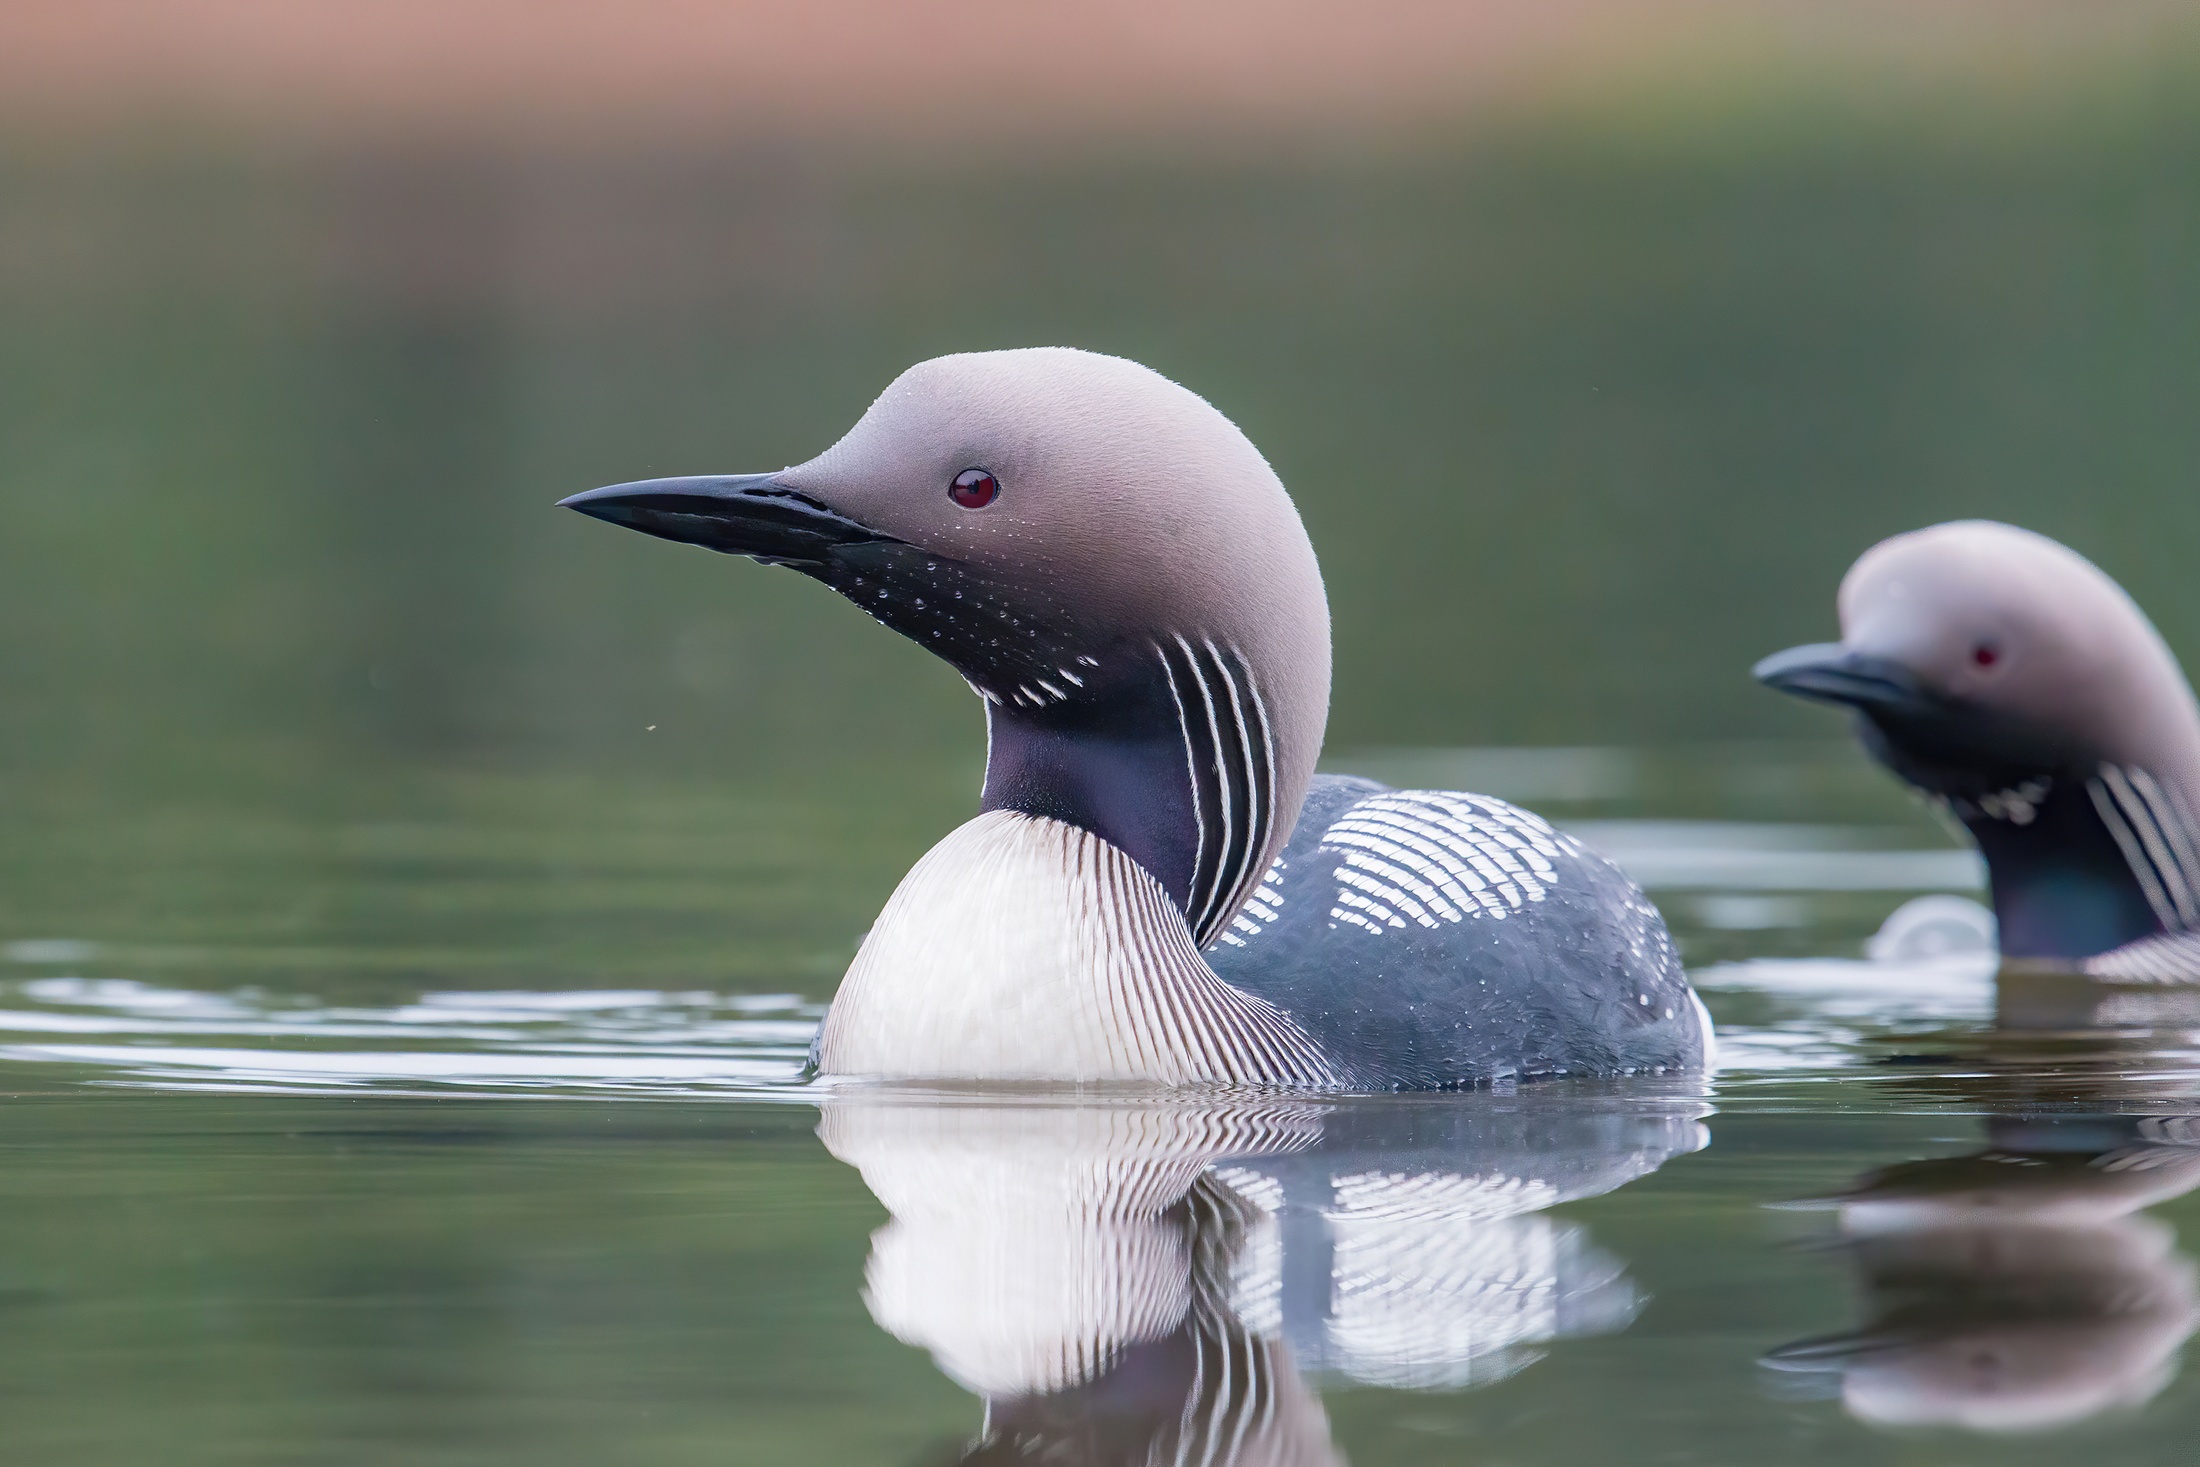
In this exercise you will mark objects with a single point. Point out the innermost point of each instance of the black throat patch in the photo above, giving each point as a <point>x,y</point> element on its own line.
<point>1161,745</point>
<point>1172,760</point>
<point>2083,856</point>
<point>2082,863</point>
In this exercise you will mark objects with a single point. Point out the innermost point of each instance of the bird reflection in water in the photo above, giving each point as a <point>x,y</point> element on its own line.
<point>2017,1288</point>
<point>1172,1280</point>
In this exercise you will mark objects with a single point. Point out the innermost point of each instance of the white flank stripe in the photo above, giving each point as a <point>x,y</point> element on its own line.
<point>1375,909</point>
<point>1457,882</point>
<point>1381,858</point>
<point>1391,880</point>
<point>1437,856</point>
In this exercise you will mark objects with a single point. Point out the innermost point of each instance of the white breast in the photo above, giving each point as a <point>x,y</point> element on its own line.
<point>1022,948</point>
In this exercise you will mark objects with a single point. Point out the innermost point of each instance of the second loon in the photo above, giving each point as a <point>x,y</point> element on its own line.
<point>2008,678</point>
<point>1159,889</point>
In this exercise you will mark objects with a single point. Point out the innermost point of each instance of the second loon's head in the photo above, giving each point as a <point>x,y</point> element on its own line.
<point>2005,674</point>
<point>1105,558</point>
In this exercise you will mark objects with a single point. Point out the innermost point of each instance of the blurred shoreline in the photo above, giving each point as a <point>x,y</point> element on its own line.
<point>992,78</point>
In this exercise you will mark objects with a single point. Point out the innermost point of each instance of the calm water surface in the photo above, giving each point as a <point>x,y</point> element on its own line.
<point>310,1197</point>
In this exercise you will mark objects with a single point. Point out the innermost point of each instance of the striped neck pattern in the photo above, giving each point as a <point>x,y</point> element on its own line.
<point>1230,767</point>
<point>2154,829</point>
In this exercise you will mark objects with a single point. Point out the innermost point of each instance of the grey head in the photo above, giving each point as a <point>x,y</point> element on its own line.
<point>1104,557</point>
<point>2005,675</point>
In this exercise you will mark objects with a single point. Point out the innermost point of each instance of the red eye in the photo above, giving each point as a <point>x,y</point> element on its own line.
<point>1984,655</point>
<point>974,489</point>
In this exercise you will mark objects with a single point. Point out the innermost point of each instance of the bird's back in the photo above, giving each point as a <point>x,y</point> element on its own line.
<point>1427,938</point>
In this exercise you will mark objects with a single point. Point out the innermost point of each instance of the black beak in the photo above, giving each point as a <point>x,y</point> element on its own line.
<point>740,514</point>
<point>1827,672</point>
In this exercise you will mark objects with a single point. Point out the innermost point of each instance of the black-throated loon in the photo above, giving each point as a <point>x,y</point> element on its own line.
<point>1118,573</point>
<point>2007,677</point>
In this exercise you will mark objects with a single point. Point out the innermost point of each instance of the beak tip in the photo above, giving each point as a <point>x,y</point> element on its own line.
<point>1829,672</point>
<point>739,514</point>
<point>582,501</point>
<point>1783,670</point>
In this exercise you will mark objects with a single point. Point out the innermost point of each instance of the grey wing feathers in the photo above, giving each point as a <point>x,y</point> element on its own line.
<point>1431,938</point>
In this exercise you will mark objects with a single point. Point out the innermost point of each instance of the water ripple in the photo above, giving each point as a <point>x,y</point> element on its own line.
<point>630,1041</point>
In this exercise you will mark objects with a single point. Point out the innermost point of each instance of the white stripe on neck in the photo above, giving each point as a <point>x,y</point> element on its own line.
<point>1022,948</point>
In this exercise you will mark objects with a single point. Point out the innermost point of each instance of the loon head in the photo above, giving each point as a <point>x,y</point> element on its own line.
<point>1109,563</point>
<point>2007,676</point>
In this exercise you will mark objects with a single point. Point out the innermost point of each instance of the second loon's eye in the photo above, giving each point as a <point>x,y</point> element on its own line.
<point>974,489</point>
<point>1985,654</point>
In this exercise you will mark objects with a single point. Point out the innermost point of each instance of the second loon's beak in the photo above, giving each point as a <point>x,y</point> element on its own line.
<point>1827,672</point>
<point>740,514</point>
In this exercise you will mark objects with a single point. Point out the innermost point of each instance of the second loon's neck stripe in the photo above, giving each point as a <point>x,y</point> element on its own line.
<point>2173,824</point>
<point>2154,834</point>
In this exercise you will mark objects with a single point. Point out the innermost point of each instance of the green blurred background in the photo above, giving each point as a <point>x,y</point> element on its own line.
<point>1587,404</point>
<point>1590,378</point>
<point>1581,421</point>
